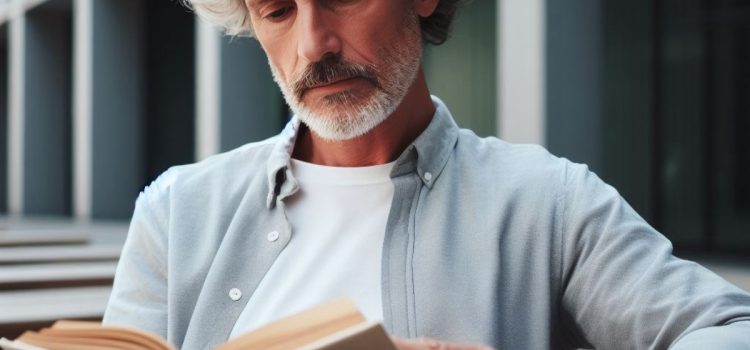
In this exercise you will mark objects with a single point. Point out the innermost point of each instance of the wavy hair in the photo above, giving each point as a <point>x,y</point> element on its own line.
<point>232,15</point>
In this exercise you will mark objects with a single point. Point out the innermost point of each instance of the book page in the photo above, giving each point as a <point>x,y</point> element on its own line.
<point>85,329</point>
<point>364,336</point>
<point>295,331</point>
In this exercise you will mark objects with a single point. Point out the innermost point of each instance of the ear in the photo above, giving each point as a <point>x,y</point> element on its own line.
<point>425,8</point>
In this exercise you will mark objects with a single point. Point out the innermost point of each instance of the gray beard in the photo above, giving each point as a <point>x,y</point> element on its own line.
<point>349,119</point>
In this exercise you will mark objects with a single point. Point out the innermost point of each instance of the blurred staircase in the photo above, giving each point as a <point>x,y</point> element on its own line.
<point>55,269</point>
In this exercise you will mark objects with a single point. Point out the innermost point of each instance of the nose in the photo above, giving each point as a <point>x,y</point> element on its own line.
<point>317,33</point>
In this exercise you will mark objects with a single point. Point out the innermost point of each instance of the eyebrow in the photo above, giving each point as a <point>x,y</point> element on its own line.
<point>256,3</point>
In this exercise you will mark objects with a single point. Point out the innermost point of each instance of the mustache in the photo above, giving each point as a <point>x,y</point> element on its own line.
<point>330,69</point>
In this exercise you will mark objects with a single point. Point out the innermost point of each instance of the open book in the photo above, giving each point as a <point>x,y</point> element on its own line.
<point>336,325</point>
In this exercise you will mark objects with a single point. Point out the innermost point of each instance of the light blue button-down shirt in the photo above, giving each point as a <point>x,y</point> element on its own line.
<point>486,242</point>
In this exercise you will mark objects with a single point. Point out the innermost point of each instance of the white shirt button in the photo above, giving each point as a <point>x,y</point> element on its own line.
<point>235,294</point>
<point>428,176</point>
<point>273,236</point>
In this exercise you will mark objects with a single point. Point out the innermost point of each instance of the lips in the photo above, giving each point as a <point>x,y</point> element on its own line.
<point>306,86</point>
<point>333,87</point>
<point>332,82</point>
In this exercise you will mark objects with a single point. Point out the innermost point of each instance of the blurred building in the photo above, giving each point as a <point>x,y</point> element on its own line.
<point>97,97</point>
<point>104,95</point>
<point>655,96</point>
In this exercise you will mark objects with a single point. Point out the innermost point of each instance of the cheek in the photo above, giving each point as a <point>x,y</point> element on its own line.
<point>373,25</point>
<point>365,45</point>
<point>280,57</point>
<point>390,29</point>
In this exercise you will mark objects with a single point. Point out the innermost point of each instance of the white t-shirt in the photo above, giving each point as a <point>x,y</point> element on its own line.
<point>338,220</point>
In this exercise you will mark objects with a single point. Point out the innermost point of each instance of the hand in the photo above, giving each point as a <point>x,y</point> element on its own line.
<point>432,344</point>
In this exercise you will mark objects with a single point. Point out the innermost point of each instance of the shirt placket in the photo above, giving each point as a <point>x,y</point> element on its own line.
<point>398,284</point>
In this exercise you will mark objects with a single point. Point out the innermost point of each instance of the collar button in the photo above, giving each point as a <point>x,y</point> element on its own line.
<point>272,236</point>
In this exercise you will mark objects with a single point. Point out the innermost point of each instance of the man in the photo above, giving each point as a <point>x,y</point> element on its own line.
<point>373,192</point>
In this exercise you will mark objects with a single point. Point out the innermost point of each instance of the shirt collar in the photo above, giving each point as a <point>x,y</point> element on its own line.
<point>427,155</point>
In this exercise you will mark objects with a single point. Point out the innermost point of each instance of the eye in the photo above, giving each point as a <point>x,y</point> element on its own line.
<point>279,14</point>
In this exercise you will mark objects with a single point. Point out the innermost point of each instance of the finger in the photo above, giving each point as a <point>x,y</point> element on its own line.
<point>406,344</point>
<point>432,344</point>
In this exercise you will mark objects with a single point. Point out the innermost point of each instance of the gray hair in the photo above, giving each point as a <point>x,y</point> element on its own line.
<point>233,17</point>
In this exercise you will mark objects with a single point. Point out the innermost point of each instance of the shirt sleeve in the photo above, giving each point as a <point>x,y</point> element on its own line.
<point>624,289</point>
<point>732,336</point>
<point>139,293</point>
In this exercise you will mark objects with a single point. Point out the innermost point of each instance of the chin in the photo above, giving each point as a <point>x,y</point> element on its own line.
<point>340,126</point>
<point>346,115</point>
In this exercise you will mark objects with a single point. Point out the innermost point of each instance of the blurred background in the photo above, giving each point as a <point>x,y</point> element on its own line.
<point>98,97</point>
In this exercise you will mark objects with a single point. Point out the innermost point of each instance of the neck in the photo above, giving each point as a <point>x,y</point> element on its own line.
<point>382,144</point>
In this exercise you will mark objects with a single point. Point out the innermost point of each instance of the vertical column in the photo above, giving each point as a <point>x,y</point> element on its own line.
<point>4,84</point>
<point>16,68</point>
<point>82,107</point>
<point>169,86</point>
<point>677,96</point>
<point>522,73</point>
<point>208,90</point>
<point>574,55</point>
<point>117,106</point>
<point>629,97</point>
<point>47,115</point>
